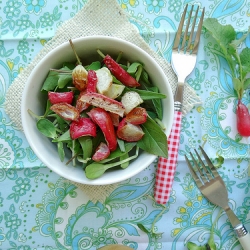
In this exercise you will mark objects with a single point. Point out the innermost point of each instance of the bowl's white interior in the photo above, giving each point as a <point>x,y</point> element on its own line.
<point>34,100</point>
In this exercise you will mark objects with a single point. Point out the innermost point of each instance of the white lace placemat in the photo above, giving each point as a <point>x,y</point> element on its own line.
<point>97,17</point>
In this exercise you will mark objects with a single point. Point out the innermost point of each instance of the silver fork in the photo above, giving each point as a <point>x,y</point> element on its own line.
<point>213,188</point>
<point>183,61</point>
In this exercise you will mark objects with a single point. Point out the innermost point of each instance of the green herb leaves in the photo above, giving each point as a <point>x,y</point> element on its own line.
<point>154,140</point>
<point>239,62</point>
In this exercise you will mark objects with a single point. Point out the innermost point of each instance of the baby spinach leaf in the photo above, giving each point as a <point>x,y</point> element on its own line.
<point>47,128</point>
<point>133,67</point>
<point>121,145</point>
<point>154,140</point>
<point>157,104</point>
<point>69,65</point>
<point>148,94</point>
<point>87,145</point>
<point>94,66</point>
<point>51,81</point>
<point>63,80</point>
<point>65,137</point>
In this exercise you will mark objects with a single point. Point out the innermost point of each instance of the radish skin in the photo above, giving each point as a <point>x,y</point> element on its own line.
<point>243,119</point>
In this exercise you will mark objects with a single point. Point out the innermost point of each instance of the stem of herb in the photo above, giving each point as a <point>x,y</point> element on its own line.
<point>66,72</point>
<point>71,159</point>
<point>100,53</point>
<point>73,48</point>
<point>138,73</point>
<point>160,123</point>
<point>159,215</point>
<point>34,115</point>
<point>73,153</point>
<point>119,57</point>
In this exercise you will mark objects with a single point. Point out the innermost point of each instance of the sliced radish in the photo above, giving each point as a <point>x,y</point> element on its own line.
<point>129,132</point>
<point>137,116</point>
<point>101,153</point>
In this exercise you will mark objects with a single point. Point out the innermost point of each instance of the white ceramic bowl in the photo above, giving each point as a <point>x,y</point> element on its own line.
<point>32,99</point>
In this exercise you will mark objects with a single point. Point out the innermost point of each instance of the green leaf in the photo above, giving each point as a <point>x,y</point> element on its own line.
<point>154,140</point>
<point>121,144</point>
<point>148,94</point>
<point>51,81</point>
<point>143,228</point>
<point>48,110</point>
<point>61,151</point>
<point>193,246</point>
<point>133,67</point>
<point>247,83</point>
<point>47,128</point>
<point>63,80</point>
<point>65,137</point>
<point>223,34</point>
<point>218,161</point>
<point>245,60</point>
<point>94,66</point>
<point>87,146</point>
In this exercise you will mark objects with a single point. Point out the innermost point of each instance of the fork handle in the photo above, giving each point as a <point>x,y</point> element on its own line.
<point>243,236</point>
<point>239,229</point>
<point>166,167</point>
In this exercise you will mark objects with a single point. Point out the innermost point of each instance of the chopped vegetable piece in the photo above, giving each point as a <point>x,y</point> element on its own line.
<point>137,116</point>
<point>115,90</point>
<point>130,100</point>
<point>129,132</point>
<point>104,102</point>
<point>243,119</point>
<point>83,127</point>
<point>121,74</point>
<point>79,76</point>
<point>80,105</point>
<point>101,153</point>
<point>104,80</point>
<point>91,81</point>
<point>115,119</point>
<point>103,120</point>
<point>66,111</point>
<point>58,97</point>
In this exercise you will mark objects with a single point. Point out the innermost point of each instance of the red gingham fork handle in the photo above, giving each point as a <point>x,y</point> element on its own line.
<point>166,167</point>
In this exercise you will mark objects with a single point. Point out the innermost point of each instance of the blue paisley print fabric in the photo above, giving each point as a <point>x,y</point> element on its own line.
<point>41,210</point>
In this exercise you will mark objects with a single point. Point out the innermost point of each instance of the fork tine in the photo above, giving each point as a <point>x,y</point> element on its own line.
<point>198,34</point>
<point>192,30</point>
<point>195,176</point>
<point>179,31</point>
<point>210,164</point>
<point>207,174</point>
<point>204,180</point>
<point>186,30</point>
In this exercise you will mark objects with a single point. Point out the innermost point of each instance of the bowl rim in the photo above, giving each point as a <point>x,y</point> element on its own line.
<point>98,181</point>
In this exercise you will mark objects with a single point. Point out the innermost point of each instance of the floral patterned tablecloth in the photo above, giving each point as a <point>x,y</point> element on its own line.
<point>40,210</point>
